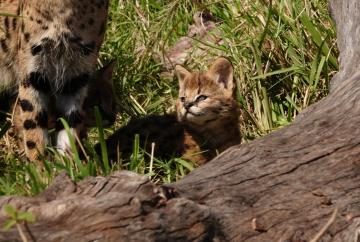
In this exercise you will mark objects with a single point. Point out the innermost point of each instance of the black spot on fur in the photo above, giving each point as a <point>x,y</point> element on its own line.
<point>75,39</point>
<point>91,21</point>
<point>14,23</point>
<point>35,49</point>
<point>37,81</point>
<point>29,124</point>
<point>30,144</point>
<point>26,105</point>
<point>47,15</point>
<point>27,37</point>
<point>44,27</point>
<point>47,41</point>
<point>39,21</point>
<point>6,24</point>
<point>3,45</point>
<point>74,85</point>
<point>82,26</point>
<point>69,22</point>
<point>87,49</point>
<point>42,119</point>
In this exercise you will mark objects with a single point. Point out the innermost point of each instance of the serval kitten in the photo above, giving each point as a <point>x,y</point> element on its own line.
<point>206,120</point>
<point>48,53</point>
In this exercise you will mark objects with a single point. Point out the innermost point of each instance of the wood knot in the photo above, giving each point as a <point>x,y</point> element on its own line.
<point>163,195</point>
<point>169,192</point>
<point>258,226</point>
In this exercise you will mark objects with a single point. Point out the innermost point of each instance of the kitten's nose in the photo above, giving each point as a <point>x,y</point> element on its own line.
<point>188,105</point>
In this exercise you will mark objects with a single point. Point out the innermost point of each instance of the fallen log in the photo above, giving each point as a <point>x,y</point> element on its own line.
<point>121,207</point>
<point>300,183</point>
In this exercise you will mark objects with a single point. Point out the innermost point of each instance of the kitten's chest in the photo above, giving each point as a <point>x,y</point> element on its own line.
<point>173,139</point>
<point>194,149</point>
<point>170,138</point>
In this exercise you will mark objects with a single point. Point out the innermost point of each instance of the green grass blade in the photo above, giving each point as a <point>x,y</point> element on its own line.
<point>75,154</point>
<point>104,154</point>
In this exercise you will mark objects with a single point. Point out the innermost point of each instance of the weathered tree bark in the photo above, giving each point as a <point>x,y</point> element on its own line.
<point>122,207</point>
<point>283,187</point>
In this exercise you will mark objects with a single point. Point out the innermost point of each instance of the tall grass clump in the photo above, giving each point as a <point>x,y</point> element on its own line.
<point>283,52</point>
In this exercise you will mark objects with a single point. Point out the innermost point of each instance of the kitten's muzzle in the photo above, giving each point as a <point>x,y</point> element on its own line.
<point>188,105</point>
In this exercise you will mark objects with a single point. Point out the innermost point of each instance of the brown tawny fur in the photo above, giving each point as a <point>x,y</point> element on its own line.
<point>48,49</point>
<point>206,120</point>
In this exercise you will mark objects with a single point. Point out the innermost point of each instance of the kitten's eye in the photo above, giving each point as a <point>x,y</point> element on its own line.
<point>182,99</point>
<point>201,98</point>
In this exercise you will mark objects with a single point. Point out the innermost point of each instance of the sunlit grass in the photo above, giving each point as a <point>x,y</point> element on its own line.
<point>283,54</point>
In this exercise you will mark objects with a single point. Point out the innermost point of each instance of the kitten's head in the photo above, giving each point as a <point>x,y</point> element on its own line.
<point>101,93</point>
<point>208,96</point>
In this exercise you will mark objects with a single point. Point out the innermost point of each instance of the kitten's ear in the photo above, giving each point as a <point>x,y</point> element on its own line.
<point>106,92</point>
<point>102,94</point>
<point>222,72</point>
<point>106,89</point>
<point>105,74</point>
<point>181,73</point>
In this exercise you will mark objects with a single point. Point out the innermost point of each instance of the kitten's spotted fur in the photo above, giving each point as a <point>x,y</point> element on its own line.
<point>206,122</point>
<point>48,53</point>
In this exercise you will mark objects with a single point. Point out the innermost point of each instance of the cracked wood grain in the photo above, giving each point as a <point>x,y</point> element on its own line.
<point>122,207</point>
